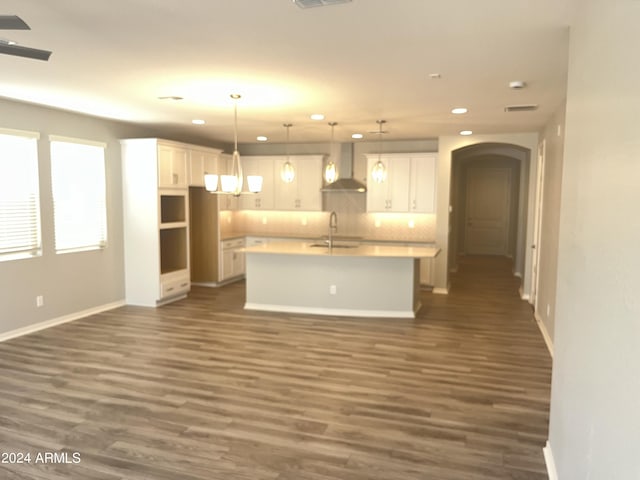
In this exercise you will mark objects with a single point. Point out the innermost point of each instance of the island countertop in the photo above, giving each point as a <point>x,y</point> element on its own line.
<point>343,249</point>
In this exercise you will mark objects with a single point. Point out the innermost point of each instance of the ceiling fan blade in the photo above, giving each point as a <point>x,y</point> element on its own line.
<point>26,52</point>
<point>12,22</point>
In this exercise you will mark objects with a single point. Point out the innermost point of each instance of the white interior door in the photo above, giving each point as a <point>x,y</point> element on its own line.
<point>487,212</point>
<point>537,228</point>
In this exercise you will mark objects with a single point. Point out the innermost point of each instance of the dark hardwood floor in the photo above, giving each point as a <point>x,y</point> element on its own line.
<point>201,389</point>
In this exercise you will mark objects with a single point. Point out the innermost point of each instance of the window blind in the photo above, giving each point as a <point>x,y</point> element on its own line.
<point>20,234</point>
<point>79,194</point>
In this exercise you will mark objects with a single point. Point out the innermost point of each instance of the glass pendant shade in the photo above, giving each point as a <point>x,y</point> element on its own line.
<point>229,184</point>
<point>254,183</point>
<point>211,182</point>
<point>379,172</point>
<point>287,173</point>
<point>233,183</point>
<point>330,172</point>
<point>331,169</point>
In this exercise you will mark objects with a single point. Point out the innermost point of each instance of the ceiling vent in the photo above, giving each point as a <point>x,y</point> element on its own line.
<point>318,3</point>
<point>520,108</point>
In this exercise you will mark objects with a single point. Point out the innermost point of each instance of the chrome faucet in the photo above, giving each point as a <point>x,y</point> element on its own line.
<point>333,227</point>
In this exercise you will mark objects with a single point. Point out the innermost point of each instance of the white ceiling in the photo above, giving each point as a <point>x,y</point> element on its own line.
<point>357,62</point>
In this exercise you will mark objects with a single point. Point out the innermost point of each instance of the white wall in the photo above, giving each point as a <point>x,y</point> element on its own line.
<point>553,135</point>
<point>595,401</point>
<point>446,147</point>
<point>72,282</point>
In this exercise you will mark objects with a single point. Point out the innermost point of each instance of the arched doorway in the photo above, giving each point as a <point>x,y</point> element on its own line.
<point>489,202</point>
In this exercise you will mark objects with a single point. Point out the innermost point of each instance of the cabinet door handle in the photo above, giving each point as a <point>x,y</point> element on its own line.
<point>174,178</point>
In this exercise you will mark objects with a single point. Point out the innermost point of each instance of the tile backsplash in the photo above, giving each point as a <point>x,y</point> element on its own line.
<point>353,221</point>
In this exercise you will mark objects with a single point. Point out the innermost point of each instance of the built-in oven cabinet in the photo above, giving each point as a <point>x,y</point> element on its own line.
<point>156,220</point>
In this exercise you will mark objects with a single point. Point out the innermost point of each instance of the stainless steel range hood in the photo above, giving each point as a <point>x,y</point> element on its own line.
<point>342,155</point>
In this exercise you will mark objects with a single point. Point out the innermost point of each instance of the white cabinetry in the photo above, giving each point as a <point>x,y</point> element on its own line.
<point>232,264</point>
<point>172,165</point>
<point>391,195</point>
<point>156,221</point>
<point>304,192</point>
<point>422,183</point>
<point>201,162</point>
<point>409,185</point>
<point>263,166</point>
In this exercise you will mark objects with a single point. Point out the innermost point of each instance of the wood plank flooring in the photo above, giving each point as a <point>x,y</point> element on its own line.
<point>201,389</point>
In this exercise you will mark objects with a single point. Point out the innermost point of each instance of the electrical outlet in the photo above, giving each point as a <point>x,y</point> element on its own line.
<point>333,290</point>
<point>39,301</point>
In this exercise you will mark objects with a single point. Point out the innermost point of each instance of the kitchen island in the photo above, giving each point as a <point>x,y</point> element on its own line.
<point>346,280</point>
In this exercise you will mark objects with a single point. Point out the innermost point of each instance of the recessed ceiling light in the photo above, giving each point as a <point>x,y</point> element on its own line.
<point>435,76</point>
<point>318,3</point>
<point>261,138</point>
<point>466,132</point>
<point>317,116</point>
<point>197,121</point>
<point>459,110</point>
<point>357,135</point>
<point>517,84</point>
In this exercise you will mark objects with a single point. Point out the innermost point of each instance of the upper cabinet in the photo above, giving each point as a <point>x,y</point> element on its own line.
<point>422,186</point>
<point>303,193</point>
<point>263,166</point>
<point>172,165</point>
<point>201,162</point>
<point>408,186</point>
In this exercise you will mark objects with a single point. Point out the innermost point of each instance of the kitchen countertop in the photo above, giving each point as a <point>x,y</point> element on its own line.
<point>343,249</point>
<point>321,238</point>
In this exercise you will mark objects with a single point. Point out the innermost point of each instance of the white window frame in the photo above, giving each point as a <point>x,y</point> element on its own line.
<point>79,191</point>
<point>20,226</point>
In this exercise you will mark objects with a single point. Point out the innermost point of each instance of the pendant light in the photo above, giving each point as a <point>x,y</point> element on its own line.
<point>232,184</point>
<point>331,170</point>
<point>379,171</point>
<point>287,173</point>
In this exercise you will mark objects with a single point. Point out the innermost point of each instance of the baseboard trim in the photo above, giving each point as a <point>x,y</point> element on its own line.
<point>442,290</point>
<point>340,312</point>
<point>19,332</point>
<point>545,333</point>
<point>550,462</point>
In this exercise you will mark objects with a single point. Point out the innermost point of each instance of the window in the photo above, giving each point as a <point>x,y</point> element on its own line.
<point>19,195</point>
<point>79,194</point>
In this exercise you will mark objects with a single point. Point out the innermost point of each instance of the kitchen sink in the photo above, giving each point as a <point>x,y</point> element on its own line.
<point>326,245</point>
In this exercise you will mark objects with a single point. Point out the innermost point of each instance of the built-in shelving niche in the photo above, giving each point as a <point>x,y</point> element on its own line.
<point>173,249</point>
<point>173,208</point>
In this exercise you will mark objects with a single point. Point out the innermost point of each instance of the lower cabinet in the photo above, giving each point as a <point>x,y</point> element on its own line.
<point>232,264</point>
<point>174,283</point>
